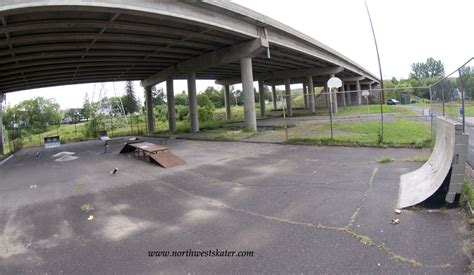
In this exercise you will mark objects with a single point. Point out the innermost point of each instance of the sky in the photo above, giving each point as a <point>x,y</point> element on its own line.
<point>407,31</point>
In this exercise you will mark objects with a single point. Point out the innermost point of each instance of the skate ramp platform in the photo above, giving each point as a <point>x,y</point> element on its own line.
<point>442,175</point>
<point>151,152</point>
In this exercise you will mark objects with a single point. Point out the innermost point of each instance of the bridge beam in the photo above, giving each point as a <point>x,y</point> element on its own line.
<point>230,54</point>
<point>170,102</point>
<point>312,103</point>
<point>287,73</point>
<point>250,118</point>
<point>227,102</point>
<point>193,107</point>
<point>149,110</point>
<point>261,95</point>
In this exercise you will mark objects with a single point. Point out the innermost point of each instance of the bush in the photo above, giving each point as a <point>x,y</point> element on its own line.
<point>161,112</point>
<point>182,112</point>
<point>205,114</point>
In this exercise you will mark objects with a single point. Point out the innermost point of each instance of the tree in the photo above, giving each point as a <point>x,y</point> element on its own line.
<point>87,108</point>
<point>157,96</point>
<point>431,68</point>
<point>216,97</point>
<point>33,115</point>
<point>130,102</point>
<point>73,115</point>
<point>181,99</point>
<point>239,97</point>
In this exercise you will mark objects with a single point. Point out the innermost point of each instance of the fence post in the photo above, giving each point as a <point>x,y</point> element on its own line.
<point>461,85</point>
<point>138,125</point>
<point>431,113</point>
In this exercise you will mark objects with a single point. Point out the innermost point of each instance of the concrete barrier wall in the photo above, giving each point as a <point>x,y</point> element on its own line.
<point>450,151</point>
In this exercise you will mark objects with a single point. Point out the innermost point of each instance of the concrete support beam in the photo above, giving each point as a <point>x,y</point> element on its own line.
<point>287,73</point>
<point>274,97</point>
<point>170,102</point>
<point>343,96</point>
<point>227,102</point>
<point>353,78</point>
<point>349,95</point>
<point>261,95</point>
<point>226,55</point>
<point>305,96</point>
<point>149,110</point>
<point>192,98</point>
<point>312,99</point>
<point>250,119</point>
<point>288,96</point>
<point>359,93</point>
<point>1,124</point>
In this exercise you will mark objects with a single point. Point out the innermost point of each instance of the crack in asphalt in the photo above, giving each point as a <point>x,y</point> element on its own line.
<point>365,240</point>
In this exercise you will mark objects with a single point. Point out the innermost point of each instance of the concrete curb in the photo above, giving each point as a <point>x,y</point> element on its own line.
<point>7,159</point>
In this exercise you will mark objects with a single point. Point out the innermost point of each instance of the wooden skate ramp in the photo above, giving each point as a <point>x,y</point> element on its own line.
<point>419,185</point>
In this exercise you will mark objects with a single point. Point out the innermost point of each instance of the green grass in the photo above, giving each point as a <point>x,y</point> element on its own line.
<point>221,135</point>
<point>373,109</point>
<point>385,159</point>
<point>401,133</point>
<point>467,192</point>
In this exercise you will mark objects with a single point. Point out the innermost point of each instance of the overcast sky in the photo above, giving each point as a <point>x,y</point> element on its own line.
<point>407,31</point>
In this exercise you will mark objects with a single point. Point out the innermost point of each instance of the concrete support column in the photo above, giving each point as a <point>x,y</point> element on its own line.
<point>359,96</point>
<point>312,103</point>
<point>288,96</point>
<point>149,110</point>
<point>170,102</point>
<point>193,107</point>
<point>1,124</point>
<point>326,94</point>
<point>261,95</point>
<point>305,96</point>
<point>249,98</point>
<point>227,102</point>
<point>343,96</point>
<point>349,95</point>
<point>274,97</point>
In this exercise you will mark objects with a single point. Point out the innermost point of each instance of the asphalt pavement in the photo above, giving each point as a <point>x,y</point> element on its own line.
<point>297,209</point>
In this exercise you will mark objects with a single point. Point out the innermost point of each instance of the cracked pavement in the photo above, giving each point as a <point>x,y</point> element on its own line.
<point>301,209</point>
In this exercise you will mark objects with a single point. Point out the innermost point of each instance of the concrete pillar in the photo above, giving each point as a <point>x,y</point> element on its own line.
<point>261,95</point>
<point>326,94</point>
<point>1,124</point>
<point>170,102</point>
<point>312,103</point>
<point>193,107</point>
<point>288,96</point>
<point>149,110</point>
<point>343,96</point>
<point>349,95</point>
<point>249,98</point>
<point>227,102</point>
<point>305,96</point>
<point>274,97</point>
<point>359,96</point>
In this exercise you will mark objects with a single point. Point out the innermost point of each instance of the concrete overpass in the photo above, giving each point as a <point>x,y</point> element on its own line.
<point>56,42</point>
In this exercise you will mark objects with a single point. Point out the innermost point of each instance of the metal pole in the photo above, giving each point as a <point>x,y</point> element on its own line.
<point>112,124</point>
<point>442,96</point>
<point>330,111</point>
<point>431,113</point>
<point>284,116</point>
<point>380,71</point>
<point>461,85</point>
